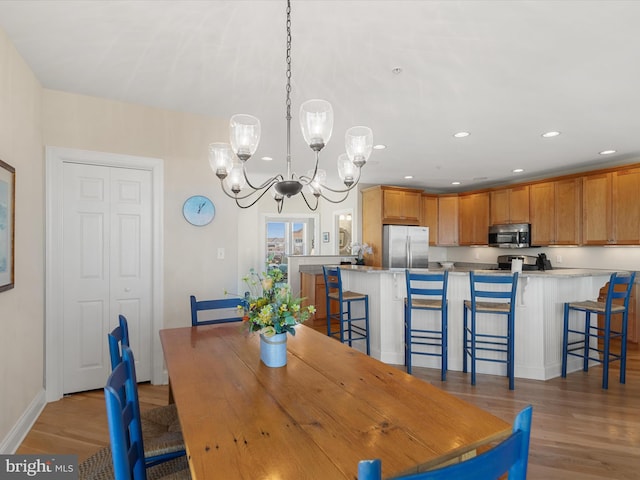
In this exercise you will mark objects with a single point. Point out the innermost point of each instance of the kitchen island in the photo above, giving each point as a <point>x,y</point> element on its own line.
<point>539,316</point>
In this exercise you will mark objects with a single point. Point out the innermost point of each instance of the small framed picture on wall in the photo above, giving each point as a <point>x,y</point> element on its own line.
<point>325,237</point>
<point>7,224</point>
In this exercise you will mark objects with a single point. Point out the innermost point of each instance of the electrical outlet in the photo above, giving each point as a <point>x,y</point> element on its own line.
<point>220,253</point>
<point>558,258</point>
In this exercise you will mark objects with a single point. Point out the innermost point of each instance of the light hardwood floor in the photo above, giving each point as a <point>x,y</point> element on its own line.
<point>579,430</point>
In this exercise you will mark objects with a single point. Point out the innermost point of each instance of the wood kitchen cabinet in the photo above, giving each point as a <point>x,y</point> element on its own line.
<point>430,216</point>
<point>596,209</point>
<point>387,205</point>
<point>626,206</point>
<point>448,220</point>
<point>473,219</point>
<point>401,206</point>
<point>312,291</point>
<point>510,205</point>
<point>555,212</point>
<point>611,211</point>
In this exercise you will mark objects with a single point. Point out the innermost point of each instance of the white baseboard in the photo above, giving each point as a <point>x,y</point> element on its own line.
<point>16,435</point>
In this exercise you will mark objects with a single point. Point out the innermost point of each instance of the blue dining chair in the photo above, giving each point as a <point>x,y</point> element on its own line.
<point>160,425</point>
<point>117,337</point>
<point>219,311</point>
<point>125,428</point>
<point>510,455</point>
<point>350,328</point>
<point>576,341</point>
<point>488,296</point>
<point>426,291</point>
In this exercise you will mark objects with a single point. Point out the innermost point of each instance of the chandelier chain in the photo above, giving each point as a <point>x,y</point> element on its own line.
<point>288,61</point>
<point>289,89</point>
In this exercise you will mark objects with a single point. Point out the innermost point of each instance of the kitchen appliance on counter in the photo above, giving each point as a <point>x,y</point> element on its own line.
<point>529,262</point>
<point>513,235</point>
<point>405,247</point>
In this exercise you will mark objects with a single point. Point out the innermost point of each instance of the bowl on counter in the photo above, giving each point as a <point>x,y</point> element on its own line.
<point>447,265</point>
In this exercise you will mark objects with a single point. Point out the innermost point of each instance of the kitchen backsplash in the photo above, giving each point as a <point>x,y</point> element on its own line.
<point>622,258</point>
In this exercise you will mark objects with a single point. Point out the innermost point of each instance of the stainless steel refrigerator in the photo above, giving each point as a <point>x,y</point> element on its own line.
<point>405,247</point>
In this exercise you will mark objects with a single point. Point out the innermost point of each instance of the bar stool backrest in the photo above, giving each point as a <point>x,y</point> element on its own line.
<point>427,285</point>
<point>332,279</point>
<point>483,286</point>
<point>624,293</point>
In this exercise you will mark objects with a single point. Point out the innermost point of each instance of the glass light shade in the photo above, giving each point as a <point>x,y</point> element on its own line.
<point>316,121</point>
<point>245,135</point>
<point>235,180</point>
<point>359,144</point>
<point>276,196</point>
<point>346,169</point>
<point>315,187</point>
<point>220,159</point>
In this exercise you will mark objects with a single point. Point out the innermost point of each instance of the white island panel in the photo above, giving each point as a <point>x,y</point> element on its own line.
<point>539,316</point>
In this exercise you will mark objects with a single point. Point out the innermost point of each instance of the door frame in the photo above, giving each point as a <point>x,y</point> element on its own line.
<point>54,341</point>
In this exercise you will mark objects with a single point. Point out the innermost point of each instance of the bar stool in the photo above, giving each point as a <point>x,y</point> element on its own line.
<point>490,286</point>
<point>619,288</point>
<point>426,291</point>
<point>351,328</point>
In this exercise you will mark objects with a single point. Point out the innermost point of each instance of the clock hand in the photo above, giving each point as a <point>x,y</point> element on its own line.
<point>200,206</point>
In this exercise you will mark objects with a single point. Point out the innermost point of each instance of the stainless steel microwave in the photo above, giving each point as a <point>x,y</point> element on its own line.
<point>514,235</point>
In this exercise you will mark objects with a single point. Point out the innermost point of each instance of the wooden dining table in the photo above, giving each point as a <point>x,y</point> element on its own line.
<point>315,418</point>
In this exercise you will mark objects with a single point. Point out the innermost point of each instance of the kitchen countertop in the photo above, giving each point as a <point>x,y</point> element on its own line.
<point>561,272</point>
<point>557,272</point>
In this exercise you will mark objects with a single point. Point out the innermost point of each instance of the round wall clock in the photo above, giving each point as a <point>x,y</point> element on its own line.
<point>198,210</point>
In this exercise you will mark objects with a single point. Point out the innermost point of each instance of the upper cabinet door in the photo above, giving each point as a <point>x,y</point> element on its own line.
<point>626,206</point>
<point>474,219</point>
<point>499,207</point>
<point>510,205</point>
<point>519,204</point>
<point>401,206</point>
<point>448,220</point>
<point>542,211</point>
<point>568,212</point>
<point>430,216</point>
<point>596,209</point>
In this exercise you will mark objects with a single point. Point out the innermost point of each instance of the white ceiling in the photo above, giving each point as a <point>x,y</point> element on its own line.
<point>505,71</point>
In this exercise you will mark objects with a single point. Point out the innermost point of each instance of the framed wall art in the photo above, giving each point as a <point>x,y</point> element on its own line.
<point>7,224</point>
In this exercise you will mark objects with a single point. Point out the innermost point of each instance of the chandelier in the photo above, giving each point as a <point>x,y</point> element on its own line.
<point>229,161</point>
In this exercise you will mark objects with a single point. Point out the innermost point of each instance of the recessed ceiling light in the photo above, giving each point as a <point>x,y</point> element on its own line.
<point>455,183</point>
<point>408,177</point>
<point>396,70</point>
<point>267,159</point>
<point>518,170</point>
<point>380,146</point>
<point>607,152</point>
<point>550,134</point>
<point>461,134</point>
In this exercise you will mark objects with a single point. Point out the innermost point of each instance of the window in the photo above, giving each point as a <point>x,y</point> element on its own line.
<point>288,236</point>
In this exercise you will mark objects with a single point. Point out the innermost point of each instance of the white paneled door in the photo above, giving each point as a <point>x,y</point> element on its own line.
<point>107,269</point>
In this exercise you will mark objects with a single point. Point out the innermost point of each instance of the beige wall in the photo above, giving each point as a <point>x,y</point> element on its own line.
<point>22,308</point>
<point>180,140</point>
